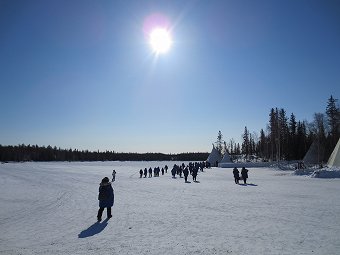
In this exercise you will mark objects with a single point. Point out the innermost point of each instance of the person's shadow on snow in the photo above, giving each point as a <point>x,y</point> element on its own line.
<point>247,184</point>
<point>94,229</point>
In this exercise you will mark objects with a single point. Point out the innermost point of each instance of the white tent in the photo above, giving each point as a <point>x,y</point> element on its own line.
<point>226,158</point>
<point>334,159</point>
<point>214,157</point>
<point>315,154</point>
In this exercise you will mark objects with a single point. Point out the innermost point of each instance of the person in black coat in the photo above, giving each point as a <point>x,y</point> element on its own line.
<point>141,173</point>
<point>145,172</point>
<point>106,198</point>
<point>186,173</point>
<point>236,175</point>
<point>173,172</point>
<point>244,173</point>
<point>194,174</point>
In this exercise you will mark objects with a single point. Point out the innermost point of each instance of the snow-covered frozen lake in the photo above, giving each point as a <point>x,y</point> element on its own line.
<point>50,208</point>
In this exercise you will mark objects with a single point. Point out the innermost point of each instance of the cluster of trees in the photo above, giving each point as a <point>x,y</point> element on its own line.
<point>35,153</point>
<point>287,138</point>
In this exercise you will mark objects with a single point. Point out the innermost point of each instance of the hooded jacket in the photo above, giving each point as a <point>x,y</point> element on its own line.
<point>106,196</point>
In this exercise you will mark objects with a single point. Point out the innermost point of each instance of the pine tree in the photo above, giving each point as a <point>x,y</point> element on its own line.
<point>263,153</point>
<point>219,142</point>
<point>284,132</point>
<point>273,131</point>
<point>245,143</point>
<point>292,144</point>
<point>333,112</point>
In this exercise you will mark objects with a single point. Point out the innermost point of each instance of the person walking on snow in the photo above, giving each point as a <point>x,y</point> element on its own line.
<point>186,173</point>
<point>113,175</point>
<point>106,198</point>
<point>141,173</point>
<point>194,174</point>
<point>236,175</point>
<point>244,173</point>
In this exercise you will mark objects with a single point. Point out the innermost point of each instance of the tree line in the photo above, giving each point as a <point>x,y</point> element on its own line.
<point>24,152</point>
<point>286,138</point>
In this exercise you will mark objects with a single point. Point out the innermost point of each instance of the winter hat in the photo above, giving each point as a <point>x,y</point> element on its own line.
<point>105,180</point>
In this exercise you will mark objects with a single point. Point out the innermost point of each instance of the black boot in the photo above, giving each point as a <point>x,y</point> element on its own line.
<point>109,215</point>
<point>100,213</point>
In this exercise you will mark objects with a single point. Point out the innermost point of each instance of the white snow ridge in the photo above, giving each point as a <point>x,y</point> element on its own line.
<point>51,208</point>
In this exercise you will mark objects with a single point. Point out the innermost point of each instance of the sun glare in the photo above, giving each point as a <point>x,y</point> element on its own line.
<point>160,40</point>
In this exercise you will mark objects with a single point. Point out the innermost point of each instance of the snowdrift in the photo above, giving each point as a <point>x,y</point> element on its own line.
<point>320,173</point>
<point>327,173</point>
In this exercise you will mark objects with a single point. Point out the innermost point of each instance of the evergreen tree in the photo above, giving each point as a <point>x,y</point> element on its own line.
<point>245,143</point>
<point>219,142</point>
<point>273,132</point>
<point>333,112</point>
<point>292,143</point>
<point>284,133</point>
<point>263,153</point>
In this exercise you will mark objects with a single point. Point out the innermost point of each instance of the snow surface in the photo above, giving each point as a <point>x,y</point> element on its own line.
<point>50,208</point>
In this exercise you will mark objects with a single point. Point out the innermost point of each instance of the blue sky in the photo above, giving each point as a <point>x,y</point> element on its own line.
<point>81,74</point>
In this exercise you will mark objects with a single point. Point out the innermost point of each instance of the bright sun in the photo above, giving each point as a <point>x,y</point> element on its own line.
<point>160,40</point>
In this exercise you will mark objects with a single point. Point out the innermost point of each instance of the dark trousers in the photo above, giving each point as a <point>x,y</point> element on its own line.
<point>100,212</point>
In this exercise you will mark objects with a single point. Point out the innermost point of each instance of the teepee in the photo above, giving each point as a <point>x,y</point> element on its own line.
<point>214,157</point>
<point>334,159</point>
<point>226,158</point>
<point>315,154</point>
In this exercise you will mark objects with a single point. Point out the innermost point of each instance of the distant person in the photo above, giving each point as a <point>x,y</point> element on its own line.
<point>141,173</point>
<point>162,171</point>
<point>106,198</point>
<point>194,174</point>
<point>166,168</point>
<point>244,174</point>
<point>173,172</point>
<point>236,175</point>
<point>150,172</point>
<point>113,175</point>
<point>186,174</point>
<point>145,172</point>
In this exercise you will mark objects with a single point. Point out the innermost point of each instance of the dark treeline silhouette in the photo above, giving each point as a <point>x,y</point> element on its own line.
<point>35,153</point>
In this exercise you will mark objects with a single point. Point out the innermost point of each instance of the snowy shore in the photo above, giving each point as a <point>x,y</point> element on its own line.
<point>50,208</point>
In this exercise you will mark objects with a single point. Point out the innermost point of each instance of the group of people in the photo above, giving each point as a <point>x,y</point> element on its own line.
<point>191,168</point>
<point>181,170</point>
<point>244,175</point>
<point>106,193</point>
<point>155,171</point>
